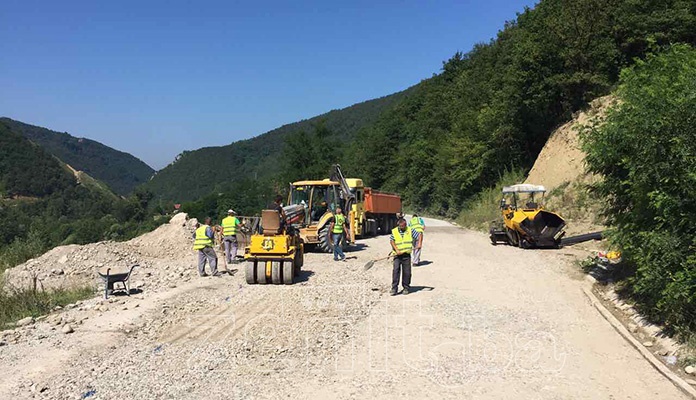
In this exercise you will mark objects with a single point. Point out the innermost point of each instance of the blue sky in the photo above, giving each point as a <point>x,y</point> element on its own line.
<point>154,78</point>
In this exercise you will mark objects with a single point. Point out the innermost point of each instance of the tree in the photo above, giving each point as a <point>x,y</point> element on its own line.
<point>646,153</point>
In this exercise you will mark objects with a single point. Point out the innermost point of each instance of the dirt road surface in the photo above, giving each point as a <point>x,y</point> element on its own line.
<point>484,322</point>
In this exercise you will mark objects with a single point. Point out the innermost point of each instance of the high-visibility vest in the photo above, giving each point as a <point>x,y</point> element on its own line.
<point>229,226</point>
<point>416,225</point>
<point>202,241</point>
<point>339,220</point>
<point>404,243</point>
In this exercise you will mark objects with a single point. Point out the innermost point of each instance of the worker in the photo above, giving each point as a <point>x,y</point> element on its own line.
<point>204,236</point>
<point>417,224</point>
<point>401,240</point>
<point>229,232</point>
<point>337,228</point>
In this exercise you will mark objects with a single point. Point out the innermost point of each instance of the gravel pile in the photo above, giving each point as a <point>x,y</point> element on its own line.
<point>164,255</point>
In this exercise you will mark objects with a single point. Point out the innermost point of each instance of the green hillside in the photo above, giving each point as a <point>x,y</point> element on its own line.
<point>26,170</point>
<point>44,204</point>
<point>492,109</point>
<point>197,173</point>
<point>489,110</point>
<point>121,171</point>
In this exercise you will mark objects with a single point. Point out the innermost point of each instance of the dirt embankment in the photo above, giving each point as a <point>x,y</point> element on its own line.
<point>561,168</point>
<point>562,160</point>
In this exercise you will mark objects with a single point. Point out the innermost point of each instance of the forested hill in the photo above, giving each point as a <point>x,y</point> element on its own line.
<point>121,171</point>
<point>456,133</point>
<point>492,109</point>
<point>26,170</point>
<point>44,204</point>
<point>197,173</point>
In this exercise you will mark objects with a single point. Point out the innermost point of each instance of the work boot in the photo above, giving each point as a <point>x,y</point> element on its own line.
<point>203,275</point>
<point>392,292</point>
<point>406,291</point>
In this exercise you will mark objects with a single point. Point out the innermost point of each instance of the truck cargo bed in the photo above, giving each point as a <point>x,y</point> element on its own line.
<point>382,203</point>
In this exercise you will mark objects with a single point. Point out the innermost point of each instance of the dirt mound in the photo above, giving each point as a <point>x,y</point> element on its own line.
<point>164,255</point>
<point>562,161</point>
<point>561,168</point>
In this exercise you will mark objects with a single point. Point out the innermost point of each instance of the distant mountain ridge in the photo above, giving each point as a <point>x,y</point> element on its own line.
<point>199,172</point>
<point>120,170</point>
<point>27,170</point>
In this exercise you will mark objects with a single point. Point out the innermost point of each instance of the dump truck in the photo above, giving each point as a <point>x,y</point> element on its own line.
<point>368,212</point>
<point>525,222</point>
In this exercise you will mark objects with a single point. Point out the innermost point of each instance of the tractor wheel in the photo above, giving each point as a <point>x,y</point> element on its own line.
<point>299,260</point>
<point>277,272</point>
<point>288,273</point>
<point>324,244</point>
<point>261,272</point>
<point>250,272</point>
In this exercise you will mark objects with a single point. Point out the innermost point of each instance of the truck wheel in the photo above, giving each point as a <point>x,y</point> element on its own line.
<point>370,227</point>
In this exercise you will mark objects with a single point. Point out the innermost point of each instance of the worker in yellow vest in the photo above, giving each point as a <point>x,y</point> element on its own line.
<point>402,241</point>
<point>230,225</point>
<point>338,227</point>
<point>203,237</point>
<point>418,225</point>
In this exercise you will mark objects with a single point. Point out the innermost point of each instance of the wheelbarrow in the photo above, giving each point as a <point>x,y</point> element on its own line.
<point>110,279</point>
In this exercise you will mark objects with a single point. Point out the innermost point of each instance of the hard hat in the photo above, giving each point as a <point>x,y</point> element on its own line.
<point>231,211</point>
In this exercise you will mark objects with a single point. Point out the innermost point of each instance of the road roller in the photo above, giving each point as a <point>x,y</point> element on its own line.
<point>275,253</point>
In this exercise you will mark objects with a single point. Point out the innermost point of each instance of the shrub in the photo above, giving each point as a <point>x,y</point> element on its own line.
<point>484,208</point>
<point>646,153</point>
<point>16,304</point>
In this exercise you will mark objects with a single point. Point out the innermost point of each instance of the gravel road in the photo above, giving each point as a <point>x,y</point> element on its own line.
<point>484,322</point>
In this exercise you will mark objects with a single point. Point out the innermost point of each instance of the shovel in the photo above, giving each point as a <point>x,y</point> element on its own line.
<point>372,262</point>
